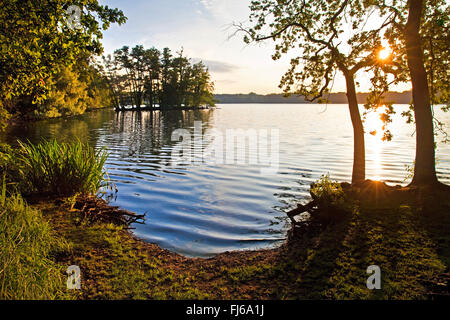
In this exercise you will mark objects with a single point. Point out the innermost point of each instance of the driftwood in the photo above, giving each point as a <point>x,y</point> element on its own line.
<point>94,209</point>
<point>309,207</point>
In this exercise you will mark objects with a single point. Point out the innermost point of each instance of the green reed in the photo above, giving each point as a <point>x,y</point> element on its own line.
<point>62,169</point>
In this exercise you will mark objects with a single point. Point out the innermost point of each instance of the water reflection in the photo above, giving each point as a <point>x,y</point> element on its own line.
<point>200,210</point>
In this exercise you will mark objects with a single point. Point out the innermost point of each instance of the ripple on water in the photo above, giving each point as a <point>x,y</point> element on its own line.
<point>202,210</point>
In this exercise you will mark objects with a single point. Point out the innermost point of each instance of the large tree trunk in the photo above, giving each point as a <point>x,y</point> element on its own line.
<point>359,154</point>
<point>424,169</point>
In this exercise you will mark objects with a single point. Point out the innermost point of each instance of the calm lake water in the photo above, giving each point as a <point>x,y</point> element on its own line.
<point>201,209</point>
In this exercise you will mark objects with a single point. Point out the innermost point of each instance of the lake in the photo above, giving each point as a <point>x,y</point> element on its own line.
<point>199,207</point>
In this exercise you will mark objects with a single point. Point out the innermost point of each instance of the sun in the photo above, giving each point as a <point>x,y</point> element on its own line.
<point>384,53</point>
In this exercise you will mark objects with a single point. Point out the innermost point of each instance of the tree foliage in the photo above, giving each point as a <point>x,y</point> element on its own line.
<point>37,42</point>
<point>147,76</point>
<point>73,90</point>
<point>327,37</point>
<point>435,36</point>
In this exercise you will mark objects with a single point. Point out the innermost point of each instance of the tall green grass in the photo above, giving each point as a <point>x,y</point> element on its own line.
<point>26,246</point>
<point>51,168</point>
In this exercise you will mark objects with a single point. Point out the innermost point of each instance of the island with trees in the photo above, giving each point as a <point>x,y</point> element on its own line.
<point>150,79</point>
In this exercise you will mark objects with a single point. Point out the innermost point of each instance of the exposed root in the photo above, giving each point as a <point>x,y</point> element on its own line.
<point>94,209</point>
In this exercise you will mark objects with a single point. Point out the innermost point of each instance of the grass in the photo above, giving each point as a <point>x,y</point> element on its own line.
<point>408,240</point>
<point>115,265</point>
<point>27,247</point>
<point>65,169</point>
<point>403,231</point>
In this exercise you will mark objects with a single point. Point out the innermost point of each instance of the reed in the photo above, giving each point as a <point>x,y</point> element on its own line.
<point>62,169</point>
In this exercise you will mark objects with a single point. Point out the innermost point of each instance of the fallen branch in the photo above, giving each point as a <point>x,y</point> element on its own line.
<point>302,208</point>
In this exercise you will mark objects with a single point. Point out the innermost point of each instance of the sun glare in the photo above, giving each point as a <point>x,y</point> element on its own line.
<point>374,125</point>
<point>384,53</point>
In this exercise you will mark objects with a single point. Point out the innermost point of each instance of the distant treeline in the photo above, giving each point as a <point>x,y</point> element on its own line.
<point>340,97</point>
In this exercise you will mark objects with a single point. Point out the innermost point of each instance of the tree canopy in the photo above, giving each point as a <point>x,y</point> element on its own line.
<point>349,36</point>
<point>148,76</point>
<point>328,37</point>
<point>37,41</point>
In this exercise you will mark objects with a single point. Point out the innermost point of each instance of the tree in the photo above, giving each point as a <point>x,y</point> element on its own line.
<point>67,95</point>
<point>150,76</point>
<point>73,90</point>
<point>181,78</point>
<point>424,170</point>
<point>133,65</point>
<point>419,37</point>
<point>91,72</point>
<point>201,89</point>
<point>166,68</point>
<point>36,42</point>
<point>319,31</point>
<point>153,69</point>
<point>110,70</point>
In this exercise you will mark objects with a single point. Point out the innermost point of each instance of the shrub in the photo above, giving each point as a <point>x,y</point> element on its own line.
<point>330,199</point>
<point>26,246</point>
<point>50,168</point>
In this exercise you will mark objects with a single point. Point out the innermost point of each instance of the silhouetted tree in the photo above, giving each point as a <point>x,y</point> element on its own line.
<point>419,37</point>
<point>329,38</point>
<point>149,76</point>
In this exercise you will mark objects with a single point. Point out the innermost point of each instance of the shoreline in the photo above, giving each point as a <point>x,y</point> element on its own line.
<point>146,108</point>
<point>315,262</point>
<point>174,267</point>
<point>15,121</point>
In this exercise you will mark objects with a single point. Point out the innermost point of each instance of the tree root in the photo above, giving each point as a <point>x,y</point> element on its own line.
<point>95,209</point>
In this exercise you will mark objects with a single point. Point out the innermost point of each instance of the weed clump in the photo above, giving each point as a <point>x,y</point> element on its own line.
<point>330,200</point>
<point>65,169</point>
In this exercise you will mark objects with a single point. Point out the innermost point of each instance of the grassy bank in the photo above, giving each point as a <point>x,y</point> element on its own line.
<point>403,231</point>
<point>408,240</point>
<point>29,248</point>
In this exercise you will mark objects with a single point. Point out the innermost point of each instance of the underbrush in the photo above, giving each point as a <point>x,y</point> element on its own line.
<point>332,203</point>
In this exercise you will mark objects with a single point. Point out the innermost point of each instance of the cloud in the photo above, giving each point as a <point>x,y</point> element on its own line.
<point>218,66</point>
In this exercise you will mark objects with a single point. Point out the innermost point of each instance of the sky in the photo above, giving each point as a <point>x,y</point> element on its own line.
<point>203,28</point>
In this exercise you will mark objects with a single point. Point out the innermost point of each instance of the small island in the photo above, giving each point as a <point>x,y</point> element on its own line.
<point>147,79</point>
